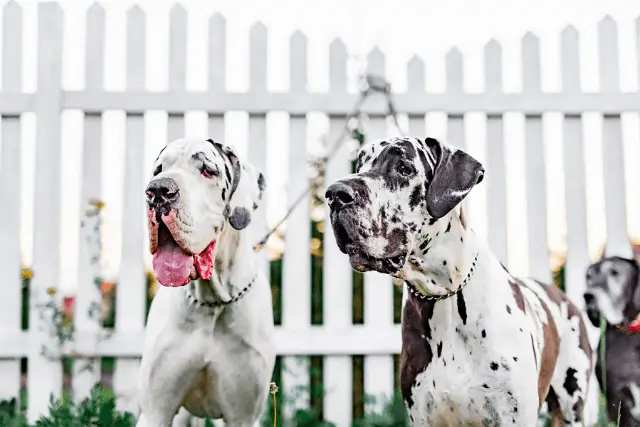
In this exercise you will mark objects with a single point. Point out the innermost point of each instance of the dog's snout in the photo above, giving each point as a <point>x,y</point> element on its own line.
<point>589,298</point>
<point>162,191</point>
<point>340,194</point>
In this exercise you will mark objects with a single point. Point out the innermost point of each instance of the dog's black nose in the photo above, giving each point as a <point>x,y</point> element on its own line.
<point>589,298</point>
<point>339,194</point>
<point>162,191</point>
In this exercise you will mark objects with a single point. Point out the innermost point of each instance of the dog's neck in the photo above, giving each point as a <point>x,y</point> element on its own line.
<point>444,257</point>
<point>228,278</point>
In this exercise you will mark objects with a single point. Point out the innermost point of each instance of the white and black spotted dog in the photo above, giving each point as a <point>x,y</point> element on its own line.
<point>479,347</point>
<point>613,291</point>
<point>209,339</point>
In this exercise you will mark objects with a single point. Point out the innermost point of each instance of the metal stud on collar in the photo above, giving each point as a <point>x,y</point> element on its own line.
<point>449,294</point>
<point>217,304</point>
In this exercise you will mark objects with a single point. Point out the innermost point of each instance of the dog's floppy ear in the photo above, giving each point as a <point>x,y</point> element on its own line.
<point>454,176</point>
<point>247,188</point>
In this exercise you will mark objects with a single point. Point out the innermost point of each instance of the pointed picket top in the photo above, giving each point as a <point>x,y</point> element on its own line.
<point>338,66</point>
<point>415,74</point>
<point>607,24</point>
<point>136,38</point>
<point>454,69</point>
<point>531,69</point>
<point>376,62</point>
<point>12,9</point>
<point>178,47</point>
<point>95,46</point>
<point>570,54</point>
<point>94,13</point>
<point>258,31</point>
<point>12,47</point>
<point>217,52</point>
<point>493,66</point>
<point>608,54</point>
<point>258,57</point>
<point>218,19</point>
<point>135,13</point>
<point>298,61</point>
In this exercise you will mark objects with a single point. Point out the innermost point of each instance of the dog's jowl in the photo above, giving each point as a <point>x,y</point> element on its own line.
<point>479,347</point>
<point>613,293</point>
<point>209,343</point>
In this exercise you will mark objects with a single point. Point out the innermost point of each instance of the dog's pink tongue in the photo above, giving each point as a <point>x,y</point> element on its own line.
<point>171,265</point>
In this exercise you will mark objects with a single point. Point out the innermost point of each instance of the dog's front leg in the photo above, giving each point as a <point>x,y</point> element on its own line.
<point>168,370</point>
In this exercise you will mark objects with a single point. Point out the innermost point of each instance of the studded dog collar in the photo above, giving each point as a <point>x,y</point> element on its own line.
<point>467,279</point>
<point>216,304</point>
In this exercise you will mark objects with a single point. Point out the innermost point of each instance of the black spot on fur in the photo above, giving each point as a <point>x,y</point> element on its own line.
<point>439,346</point>
<point>571,382</point>
<point>508,309</point>
<point>227,173</point>
<point>444,262</point>
<point>416,197</point>
<point>448,227</point>
<point>224,195</point>
<point>515,359</point>
<point>484,333</point>
<point>493,366</point>
<point>432,221</point>
<point>462,308</point>
<point>485,386</point>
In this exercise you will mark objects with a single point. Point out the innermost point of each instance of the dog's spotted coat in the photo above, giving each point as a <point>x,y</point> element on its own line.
<point>490,354</point>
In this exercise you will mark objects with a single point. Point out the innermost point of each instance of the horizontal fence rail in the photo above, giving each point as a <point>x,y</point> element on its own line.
<point>331,320</point>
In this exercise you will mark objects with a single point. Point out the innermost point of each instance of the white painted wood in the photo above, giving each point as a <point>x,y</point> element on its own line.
<point>337,272</point>
<point>257,103</point>
<point>10,192</point>
<point>131,288</point>
<point>378,288</point>
<point>612,150</point>
<point>455,119</point>
<point>416,86</point>
<point>86,372</point>
<point>257,145</point>
<point>45,370</point>
<point>296,283</point>
<point>577,258</point>
<point>535,167</point>
<point>177,67</point>
<point>495,173</point>
<point>217,71</point>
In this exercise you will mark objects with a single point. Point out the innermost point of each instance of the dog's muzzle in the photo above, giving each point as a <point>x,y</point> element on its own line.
<point>345,210</point>
<point>162,193</point>
<point>591,307</point>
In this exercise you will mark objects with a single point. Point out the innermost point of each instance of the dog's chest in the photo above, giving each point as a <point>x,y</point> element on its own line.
<point>476,388</point>
<point>468,370</point>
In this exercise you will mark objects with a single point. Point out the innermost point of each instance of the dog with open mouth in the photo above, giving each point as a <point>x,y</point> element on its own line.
<point>479,346</point>
<point>209,346</point>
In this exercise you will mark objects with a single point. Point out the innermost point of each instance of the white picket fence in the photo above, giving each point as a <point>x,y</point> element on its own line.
<point>337,339</point>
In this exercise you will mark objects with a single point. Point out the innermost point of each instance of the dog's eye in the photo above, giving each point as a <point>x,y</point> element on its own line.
<point>404,170</point>
<point>208,172</point>
<point>614,273</point>
<point>157,170</point>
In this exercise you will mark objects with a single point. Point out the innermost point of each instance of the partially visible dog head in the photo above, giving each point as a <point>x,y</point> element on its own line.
<point>613,291</point>
<point>401,187</point>
<point>197,186</point>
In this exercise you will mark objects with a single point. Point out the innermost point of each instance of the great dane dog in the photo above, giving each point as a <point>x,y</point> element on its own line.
<point>479,347</point>
<point>613,291</point>
<point>209,342</point>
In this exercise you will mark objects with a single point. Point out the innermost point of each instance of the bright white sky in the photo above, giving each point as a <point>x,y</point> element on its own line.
<point>401,28</point>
